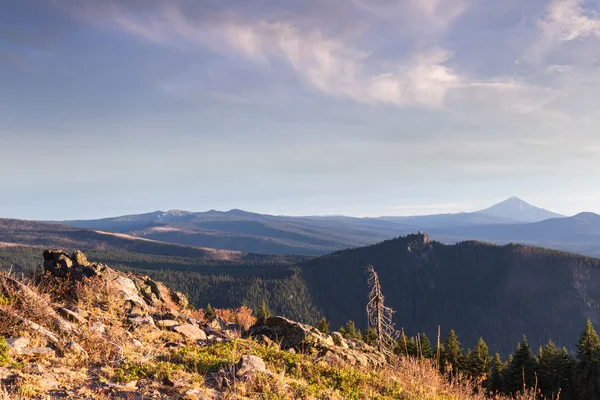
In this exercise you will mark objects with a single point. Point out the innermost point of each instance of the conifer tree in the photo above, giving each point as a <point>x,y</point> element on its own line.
<point>323,325</point>
<point>370,337</point>
<point>494,383</point>
<point>349,331</point>
<point>412,348</point>
<point>556,371</point>
<point>425,345</point>
<point>209,312</point>
<point>480,360</point>
<point>588,364</point>
<point>263,313</point>
<point>521,371</point>
<point>452,354</point>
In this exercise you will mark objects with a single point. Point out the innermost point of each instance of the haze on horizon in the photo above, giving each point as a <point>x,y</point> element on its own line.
<point>363,107</point>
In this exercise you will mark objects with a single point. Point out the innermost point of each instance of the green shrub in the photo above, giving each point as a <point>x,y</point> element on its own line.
<point>4,357</point>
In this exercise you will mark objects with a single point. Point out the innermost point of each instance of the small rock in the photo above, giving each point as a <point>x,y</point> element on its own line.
<point>98,328</point>
<point>71,315</point>
<point>216,323</point>
<point>137,343</point>
<point>249,365</point>
<point>80,259</point>
<point>17,343</point>
<point>339,340</point>
<point>75,348</point>
<point>191,332</point>
<point>5,373</point>
<point>40,352</point>
<point>167,323</point>
<point>128,291</point>
<point>36,369</point>
<point>140,320</point>
<point>47,382</point>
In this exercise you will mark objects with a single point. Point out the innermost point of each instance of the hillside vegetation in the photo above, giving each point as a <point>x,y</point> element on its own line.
<point>100,334</point>
<point>475,288</point>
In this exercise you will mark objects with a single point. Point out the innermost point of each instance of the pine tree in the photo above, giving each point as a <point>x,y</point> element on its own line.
<point>480,360</point>
<point>209,312</point>
<point>425,345</point>
<point>452,354</point>
<point>323,325</point>
<point>263,313</point>
<point>349,331</point>
<point>556,371</point>
<point>370,337</point>
<point>588,364</point>
<point>411,345</point>
<point>521,370</point>
<point>494,383</point>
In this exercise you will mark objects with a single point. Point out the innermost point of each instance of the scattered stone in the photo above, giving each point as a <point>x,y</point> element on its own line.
<point>191,332</point>
<point>47,382</point>
<point>307,339</point>
<point>75,348</point>
<point>16,344</point>
<point>34,368</point>
<point>98,328</point>
<point>216,323</point>
<point>128,291</point>
<point>5,373</point>
<point>339,340</point>
<point>80,259</point>
<point>71,315</point>
<point>136,320</point>
<point>39,352</point>
<point>250,365</point>
<point>167,323</point>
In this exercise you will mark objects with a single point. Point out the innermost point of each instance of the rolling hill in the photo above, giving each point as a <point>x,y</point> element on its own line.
<point>512,220</point>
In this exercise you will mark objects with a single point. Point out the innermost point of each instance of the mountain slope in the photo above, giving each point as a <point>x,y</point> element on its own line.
<point>272,234</point>
<point>517,210</point>
<point>251,232</point>
<point>580,233</point>
<point>497,292</point>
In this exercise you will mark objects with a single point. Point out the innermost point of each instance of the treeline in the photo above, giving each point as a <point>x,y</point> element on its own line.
<point>554,373</point>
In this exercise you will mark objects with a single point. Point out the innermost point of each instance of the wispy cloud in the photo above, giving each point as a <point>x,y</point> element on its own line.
<point>421,77</point>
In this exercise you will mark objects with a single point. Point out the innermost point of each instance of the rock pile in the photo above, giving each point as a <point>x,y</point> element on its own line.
<point>307,339</point>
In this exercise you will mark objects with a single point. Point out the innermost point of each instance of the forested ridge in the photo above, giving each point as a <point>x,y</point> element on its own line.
<point>481,290</point>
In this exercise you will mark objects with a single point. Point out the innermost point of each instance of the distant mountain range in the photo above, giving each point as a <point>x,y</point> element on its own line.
<point>512,220</point>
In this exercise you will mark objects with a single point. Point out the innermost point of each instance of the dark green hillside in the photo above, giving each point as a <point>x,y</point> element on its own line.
<point>498,292</point>
<point>224,284</point>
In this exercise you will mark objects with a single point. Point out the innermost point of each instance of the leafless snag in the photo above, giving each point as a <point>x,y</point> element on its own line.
<point>380,316</point>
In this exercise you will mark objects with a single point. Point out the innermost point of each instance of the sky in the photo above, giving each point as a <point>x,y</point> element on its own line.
<point>353,107</point>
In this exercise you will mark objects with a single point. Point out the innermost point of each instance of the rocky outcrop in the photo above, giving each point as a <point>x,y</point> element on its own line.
<point>307,339</point>
<point>139,291</point>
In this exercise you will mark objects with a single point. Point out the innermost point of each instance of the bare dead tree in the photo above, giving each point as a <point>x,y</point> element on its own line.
<point>380,316</point>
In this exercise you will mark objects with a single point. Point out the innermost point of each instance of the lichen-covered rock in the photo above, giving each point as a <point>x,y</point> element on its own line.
<point>339,340</point>
<point>191,332</point>
<point>128,291</point>
<point>80,259</point>
<point>307,339</point>
<point>250,365</point>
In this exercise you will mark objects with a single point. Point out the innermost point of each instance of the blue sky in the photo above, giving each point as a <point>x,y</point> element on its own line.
<point>363,107</point>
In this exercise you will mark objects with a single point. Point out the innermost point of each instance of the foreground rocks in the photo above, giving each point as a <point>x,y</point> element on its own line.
<point>307,339</point>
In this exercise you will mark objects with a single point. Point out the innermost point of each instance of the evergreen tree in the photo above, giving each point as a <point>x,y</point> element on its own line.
<point>349,331</point>
<point>588,364</point>
<point>411,345</point>
<point>479,362</point>
<point>452,354</point>
<point>494,383</point>
<point>263,313</point>
<point>556,371</point>
<point>521,370</point>
<point>323,325</point>
<point>370,337</point>
<point>425,345</point>
<point>209,312</point>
